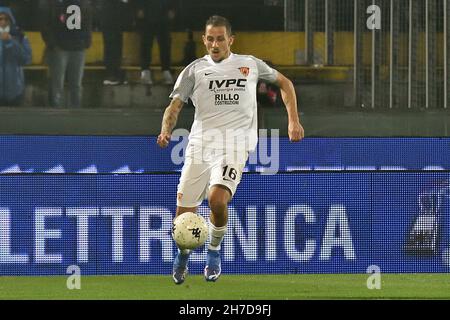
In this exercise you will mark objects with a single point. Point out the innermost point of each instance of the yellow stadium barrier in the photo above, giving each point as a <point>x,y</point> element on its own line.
<point>280,48</point>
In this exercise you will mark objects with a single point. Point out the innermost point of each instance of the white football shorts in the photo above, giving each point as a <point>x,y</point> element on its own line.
<point>206,167</point>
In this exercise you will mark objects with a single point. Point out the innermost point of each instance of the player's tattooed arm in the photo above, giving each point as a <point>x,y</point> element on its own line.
<point>295,129</point>
<point>169,121</point>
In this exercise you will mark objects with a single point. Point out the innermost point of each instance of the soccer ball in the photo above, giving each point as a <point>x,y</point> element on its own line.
<point>189,230</point>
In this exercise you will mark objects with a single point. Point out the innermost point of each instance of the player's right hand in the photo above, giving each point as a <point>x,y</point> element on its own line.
<point>163,140</point>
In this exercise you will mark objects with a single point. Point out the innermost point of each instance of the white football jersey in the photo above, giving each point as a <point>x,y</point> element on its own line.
<point>224,96</point>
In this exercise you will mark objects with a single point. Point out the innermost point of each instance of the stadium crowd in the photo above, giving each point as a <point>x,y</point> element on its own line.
<point>65,50</point>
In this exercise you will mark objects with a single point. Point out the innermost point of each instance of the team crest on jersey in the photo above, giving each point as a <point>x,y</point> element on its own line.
<point>245,71</point>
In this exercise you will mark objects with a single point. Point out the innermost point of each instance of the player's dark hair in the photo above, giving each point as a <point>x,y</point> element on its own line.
<point>218,21</point>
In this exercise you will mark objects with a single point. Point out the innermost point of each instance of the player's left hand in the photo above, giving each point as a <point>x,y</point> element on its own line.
<point>163,140</point>
<point>295,131</point>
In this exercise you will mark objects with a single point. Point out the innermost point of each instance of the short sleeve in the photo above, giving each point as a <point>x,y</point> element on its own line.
<point>265,71</point>
<point>184,86</point>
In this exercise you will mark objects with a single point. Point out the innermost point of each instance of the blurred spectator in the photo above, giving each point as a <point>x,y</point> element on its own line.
<point>267,94</point>
<point>114,20</point>
<point>190,49</point>
<point>66,45</point>
<point>15,52</point>
<point>23,11</point>
<point>153,19</point>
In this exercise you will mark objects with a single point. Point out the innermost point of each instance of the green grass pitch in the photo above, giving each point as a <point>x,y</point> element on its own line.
<point>230,287</point>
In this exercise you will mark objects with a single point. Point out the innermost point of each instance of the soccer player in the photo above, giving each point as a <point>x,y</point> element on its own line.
<point>222,87</point>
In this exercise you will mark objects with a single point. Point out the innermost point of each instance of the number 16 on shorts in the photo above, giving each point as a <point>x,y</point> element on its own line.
<point>229,174</point>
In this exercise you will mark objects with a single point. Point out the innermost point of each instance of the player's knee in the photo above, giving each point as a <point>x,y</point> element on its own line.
<point>217,205</point>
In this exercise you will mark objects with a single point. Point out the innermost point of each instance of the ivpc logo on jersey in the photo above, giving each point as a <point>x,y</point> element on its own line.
<point>222,89</point>
<point>226,85</point>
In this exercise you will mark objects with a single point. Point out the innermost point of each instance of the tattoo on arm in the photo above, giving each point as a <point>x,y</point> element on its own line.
<point>171,116</point>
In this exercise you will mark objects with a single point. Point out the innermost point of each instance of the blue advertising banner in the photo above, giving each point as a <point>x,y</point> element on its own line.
<point>285,223</point>
<point>108,154</point>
